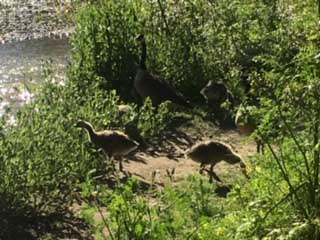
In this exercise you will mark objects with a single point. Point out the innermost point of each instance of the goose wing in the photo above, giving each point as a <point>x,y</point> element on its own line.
<point>158,90</point>
<point>116,142</point>
<point>168,92</point>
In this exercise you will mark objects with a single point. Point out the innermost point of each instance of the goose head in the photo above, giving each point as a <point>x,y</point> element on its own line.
<point>140,38</point>
<point>83,124</point>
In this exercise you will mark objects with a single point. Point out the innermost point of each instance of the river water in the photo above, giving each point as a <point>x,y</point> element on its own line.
<point>21,65</point>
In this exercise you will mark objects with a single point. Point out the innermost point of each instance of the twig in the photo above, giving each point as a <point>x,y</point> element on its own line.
<point>287,179</point>
<point>276,205</point>
<point>281,201</point>
<point>104,220</point>
<point>164,17</point>
<point>195,230</point>
<point>295,140</point>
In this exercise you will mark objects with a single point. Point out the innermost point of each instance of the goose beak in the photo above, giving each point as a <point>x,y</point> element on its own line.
<point>186,154</point>
<point>139,38</point>
<point>244,170</point>
<point>77,124</point>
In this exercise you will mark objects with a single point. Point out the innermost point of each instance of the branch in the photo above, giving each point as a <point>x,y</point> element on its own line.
<point>164,17</point>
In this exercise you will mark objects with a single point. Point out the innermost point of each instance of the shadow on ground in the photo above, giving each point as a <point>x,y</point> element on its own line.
<point>59,225</point>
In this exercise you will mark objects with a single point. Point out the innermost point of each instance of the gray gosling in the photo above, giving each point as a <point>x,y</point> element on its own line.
<point>215,94</point>
<point>113,143</point>
<point>148,85</point>
<point>246,125</point>
<point>212,152</point>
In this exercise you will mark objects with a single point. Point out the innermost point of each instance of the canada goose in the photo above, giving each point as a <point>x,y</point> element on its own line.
<point>246,124</point>
<point>212,152</point>
<point>123,110</point>
<point>148,85</point>
<point>216,94</point>
<point>113,143</point>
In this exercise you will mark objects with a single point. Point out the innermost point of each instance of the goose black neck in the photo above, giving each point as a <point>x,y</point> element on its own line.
<point>143,55</point>
<point>91,132</point>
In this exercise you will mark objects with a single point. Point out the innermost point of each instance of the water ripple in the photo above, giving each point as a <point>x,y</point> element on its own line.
<point>21,64</point>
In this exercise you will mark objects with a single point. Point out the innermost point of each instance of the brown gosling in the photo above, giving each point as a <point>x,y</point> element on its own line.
<point>113,143</point>
<point>124,108</point>
<point>148,85</point>
<point>212,152</point>
<point>246,125</point>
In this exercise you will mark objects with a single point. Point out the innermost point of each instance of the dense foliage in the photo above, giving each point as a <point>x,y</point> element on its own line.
<point>266,52</point>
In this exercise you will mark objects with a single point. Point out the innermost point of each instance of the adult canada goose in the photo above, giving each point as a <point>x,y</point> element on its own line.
<point>212,152</point>
<point>113,143</point>
<point>148,85</point>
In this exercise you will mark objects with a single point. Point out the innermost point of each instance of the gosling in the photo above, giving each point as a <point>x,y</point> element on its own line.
<point>124,109</point>
<point>113,143</point>
<point>215,94</point>
<point>212,152</point>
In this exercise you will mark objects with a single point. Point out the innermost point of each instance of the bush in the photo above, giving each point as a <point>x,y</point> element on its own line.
<point>188,43</point>
<point>44,156</point>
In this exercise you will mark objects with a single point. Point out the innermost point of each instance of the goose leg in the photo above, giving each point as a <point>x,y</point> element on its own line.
<point>105,165</point>
<point>122,170</point>
<point>120,165</point>
<point>213,174</point>
<point>260,145</point>
<point>111,164</point>
<point>201,168</point>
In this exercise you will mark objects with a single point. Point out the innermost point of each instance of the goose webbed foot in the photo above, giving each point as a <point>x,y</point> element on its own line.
<point>215,176</point>
<point>212,175</point>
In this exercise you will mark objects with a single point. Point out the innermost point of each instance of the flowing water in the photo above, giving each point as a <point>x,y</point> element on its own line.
<point>21,65</point>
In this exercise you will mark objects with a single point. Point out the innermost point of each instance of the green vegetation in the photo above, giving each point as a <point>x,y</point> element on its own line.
<point>273,46</point>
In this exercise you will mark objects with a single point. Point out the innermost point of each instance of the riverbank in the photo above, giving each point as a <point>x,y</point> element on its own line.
<point>35,19</point>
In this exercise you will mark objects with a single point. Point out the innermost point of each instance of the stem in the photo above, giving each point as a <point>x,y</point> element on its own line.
<point>164,16</point>
<point>296,142</point>
<point>281,201</point>
<point>279,162</point>
<point>195,230</point>
<point>316,158</point>
<point>277,205</point>
<point>104,220</point>
<point>129,230</point>
<point>287,179</point>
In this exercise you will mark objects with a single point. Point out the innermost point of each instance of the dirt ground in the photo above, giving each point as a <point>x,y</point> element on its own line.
<point>168,154</point>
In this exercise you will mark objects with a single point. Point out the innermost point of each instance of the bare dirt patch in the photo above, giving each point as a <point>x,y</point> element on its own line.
<point>167,154</point>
